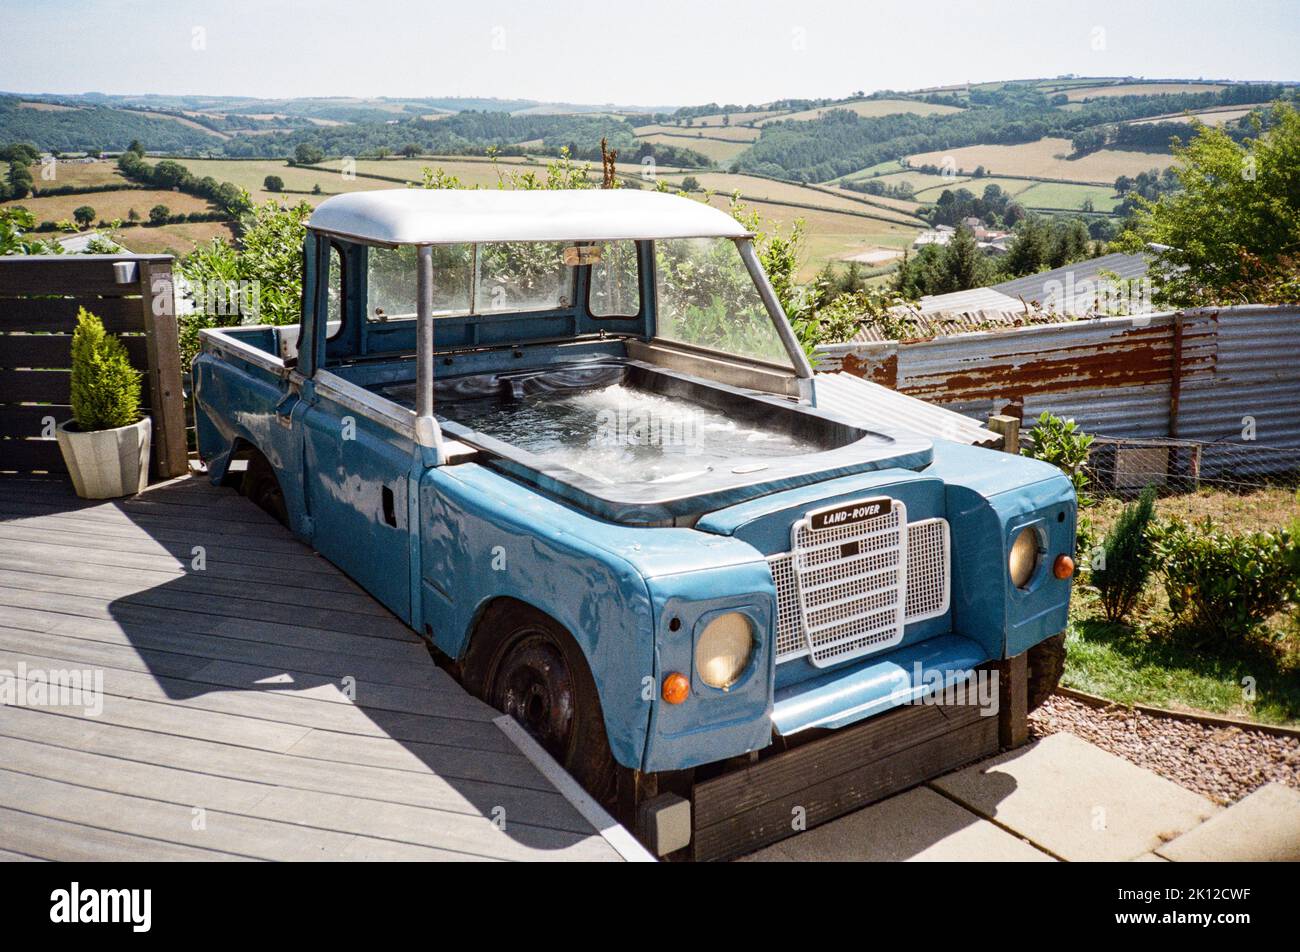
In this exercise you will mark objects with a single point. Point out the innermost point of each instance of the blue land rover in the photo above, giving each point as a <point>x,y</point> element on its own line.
<point>571,439</point>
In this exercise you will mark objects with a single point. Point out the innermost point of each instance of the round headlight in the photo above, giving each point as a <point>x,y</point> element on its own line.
<point>723,651</point>
<point>1024,557</point>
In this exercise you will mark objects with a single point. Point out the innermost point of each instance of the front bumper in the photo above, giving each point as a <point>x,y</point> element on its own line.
<point>843,696</point>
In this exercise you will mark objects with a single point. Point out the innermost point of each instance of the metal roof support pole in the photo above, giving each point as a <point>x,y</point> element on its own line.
<point>427,432</point>
<point>802,369</point>
<point>1176,374</point>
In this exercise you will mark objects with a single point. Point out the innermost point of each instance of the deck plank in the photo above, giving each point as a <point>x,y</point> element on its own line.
<point>300,716</point>
<point>386,785</point>
<point>167,676</point>
<point>305,573</point>
<point>124,592</point>
<point>461,833</point>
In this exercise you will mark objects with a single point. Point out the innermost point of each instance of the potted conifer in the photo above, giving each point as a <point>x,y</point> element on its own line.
<point>106,444</point>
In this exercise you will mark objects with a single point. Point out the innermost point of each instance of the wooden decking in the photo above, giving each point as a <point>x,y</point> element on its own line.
<point>263,707</point>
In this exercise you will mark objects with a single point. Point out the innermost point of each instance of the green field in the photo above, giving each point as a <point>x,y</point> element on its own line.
<point>1056,195</point>
<point>1031,194</point>
<point>887,167</point>
<point>976,186</point>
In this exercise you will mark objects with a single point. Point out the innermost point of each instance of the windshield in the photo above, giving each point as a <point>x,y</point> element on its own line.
<point>501,277</point>
<point>705,296</point>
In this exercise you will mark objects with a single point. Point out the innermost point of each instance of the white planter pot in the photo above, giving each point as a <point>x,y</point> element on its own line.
<point>107,463</point>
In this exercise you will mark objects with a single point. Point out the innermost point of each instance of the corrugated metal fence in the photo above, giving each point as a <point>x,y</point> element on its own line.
<point>1226,375</point>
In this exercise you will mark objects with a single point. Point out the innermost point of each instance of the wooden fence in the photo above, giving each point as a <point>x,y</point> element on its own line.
<point>39,299</point>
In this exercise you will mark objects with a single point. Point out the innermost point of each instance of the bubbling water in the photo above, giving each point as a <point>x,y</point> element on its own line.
<point>621,435</point>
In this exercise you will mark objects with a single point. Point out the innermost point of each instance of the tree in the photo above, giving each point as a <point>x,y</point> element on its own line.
<point>132,215</point>
<point>137,147</point>
<point>1232,233</point>
<point>1029,250</point>
<point>159,214</point>
<point>308,153</point>
<point>22,152</point>
<point>964,265</point>
<point>410,150</point>
<point>690,184</point>
<point>84,216</point>
<point>1069,243</point>
<point>20,180</point>
<point>1101,229</point>
<point>273,183</point>
<point>170,174</point>
<point>268,259</point>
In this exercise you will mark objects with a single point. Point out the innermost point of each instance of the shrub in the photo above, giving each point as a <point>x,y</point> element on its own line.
<point>1128,558</point>
<point>1227,583</point>
<point>273,183</point>
<point>308,154</point>
<point>159,214</point>
<point>105,387</point>
<point>1061,443</point>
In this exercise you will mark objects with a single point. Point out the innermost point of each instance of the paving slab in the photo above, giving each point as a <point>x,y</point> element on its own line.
<point>1076,801</point>
<point>1264,826</point>
<point>919,826</point>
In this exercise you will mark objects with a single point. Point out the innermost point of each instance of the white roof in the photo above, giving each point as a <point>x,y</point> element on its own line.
<point>410,216</point>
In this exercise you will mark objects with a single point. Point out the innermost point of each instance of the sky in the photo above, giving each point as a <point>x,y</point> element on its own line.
<point>655,53</point>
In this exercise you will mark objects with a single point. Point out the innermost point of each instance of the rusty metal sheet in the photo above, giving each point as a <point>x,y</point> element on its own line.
<point>1115,376</point>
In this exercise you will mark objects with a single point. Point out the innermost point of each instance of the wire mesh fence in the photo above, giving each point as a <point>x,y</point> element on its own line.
<point>1123,467</point>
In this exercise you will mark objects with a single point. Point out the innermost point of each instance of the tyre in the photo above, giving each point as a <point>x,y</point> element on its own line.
<point>263,489</point>
<point>1046,664</point>
<point>540,678</point>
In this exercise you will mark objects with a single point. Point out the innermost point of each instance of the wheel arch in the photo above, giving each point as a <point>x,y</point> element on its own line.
<point>241,450</point>
<point>486,642</point>
<point>486,639</point>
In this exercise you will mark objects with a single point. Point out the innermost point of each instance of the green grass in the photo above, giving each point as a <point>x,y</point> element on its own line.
<point>1155,663</point>
<point>880,168</point>
<point>1059,195</point>
<point>975,186</point>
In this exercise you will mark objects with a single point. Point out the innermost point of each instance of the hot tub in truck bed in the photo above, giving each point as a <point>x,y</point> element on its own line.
<point>571,439</point>
<point>566,428</point>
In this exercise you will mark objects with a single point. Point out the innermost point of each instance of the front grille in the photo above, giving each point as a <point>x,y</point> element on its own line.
<point>849,590</point>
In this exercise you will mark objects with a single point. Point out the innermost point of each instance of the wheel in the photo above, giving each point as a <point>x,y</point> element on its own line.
<point>540,678</point>
<point>1046,663</point>
<point>263,489</point>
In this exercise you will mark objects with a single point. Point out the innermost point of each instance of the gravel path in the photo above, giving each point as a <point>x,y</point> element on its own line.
<point>1222,763</point>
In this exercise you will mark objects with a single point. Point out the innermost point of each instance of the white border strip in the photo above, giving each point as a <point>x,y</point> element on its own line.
<point>623,842</point>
